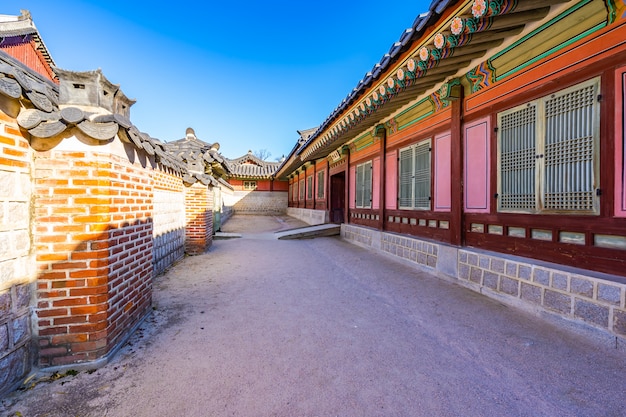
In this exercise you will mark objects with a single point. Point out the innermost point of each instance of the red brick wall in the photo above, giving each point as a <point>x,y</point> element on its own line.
<point>199,219</point>
<point>93,239</point>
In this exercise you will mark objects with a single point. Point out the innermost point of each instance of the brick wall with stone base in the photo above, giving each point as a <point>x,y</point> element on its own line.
<point>593,301</point>
<point>93,239</point>
<point>17,264</point>
<point>198,218</point>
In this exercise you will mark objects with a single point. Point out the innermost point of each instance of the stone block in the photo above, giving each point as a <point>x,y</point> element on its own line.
<point>22,299</point>
<point>556,301</point>
<point>531,293</point>
<point>483,262</point>
<point>421,258</point>
<point>582,287</point>
<point>447,260</point>
<point>472,259</point>
<point>21,329</point>
<point>541,276</point>
<point>432,261</point>
<point>559,281</point>
<point>497,265</point>
<point>524,272</point>
<point>591,312</point>
<point>476,275</point>
<point>5,304</point>
<point>610,294</point>
<point>4,338</point>
<point>463,257</point>
<point>464,271</point>
<point>490,280</point>
<point>14,366</point>
<point>509,286</point>
<point>511,269</point>
<point>619,322</point>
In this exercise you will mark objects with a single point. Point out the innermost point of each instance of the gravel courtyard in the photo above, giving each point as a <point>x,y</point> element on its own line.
<point>322,328</point>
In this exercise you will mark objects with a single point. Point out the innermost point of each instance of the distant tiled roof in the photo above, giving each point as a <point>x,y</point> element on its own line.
<point>195,152</point>
<point>249,166</point>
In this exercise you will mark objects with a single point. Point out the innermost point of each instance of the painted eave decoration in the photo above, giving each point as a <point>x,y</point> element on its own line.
<point>441,45</point>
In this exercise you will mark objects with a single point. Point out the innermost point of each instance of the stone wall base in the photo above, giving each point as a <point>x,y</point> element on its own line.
<point>257,202</point>
<point>15,336</point>
<point>590,301</point>
<point>309,216</point>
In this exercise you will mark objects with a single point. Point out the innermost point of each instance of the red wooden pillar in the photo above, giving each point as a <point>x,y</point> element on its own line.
<point>456,172</point>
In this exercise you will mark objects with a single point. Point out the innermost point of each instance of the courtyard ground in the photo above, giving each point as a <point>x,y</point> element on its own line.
<point>320,327</point>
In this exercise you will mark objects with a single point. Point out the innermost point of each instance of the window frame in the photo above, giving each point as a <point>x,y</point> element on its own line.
<point>320,184</point>
<point>249,185</point>
<point>540,175</point>
<point>363,184</point>
<point>415,202</point>
<point>309,187</point>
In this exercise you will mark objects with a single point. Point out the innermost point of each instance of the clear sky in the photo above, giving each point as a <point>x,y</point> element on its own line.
<point>246,74</point>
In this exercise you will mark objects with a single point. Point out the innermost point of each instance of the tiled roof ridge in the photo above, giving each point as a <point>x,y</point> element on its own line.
<point>46,119</point>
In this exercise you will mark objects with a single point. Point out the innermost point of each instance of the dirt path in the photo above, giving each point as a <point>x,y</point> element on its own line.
<point>245,330</point>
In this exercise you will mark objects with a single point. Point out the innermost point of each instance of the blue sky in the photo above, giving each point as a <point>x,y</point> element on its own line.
<point>246,74</point>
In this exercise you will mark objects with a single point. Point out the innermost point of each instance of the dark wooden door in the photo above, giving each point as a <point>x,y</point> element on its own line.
<point>337,197</point>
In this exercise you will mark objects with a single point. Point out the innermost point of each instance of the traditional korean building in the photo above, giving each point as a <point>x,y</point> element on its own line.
<point>488,146</point>
<point>20,39</point>
<point>256,189</point>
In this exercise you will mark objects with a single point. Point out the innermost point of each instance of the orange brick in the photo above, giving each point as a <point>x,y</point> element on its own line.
<point>7,141</point>
<point>103,289</point>
<point>67,302</point>
<point>76,283</point>
<point>13,163</point>
<point>91,200</point>
<point>88,328</point>
<point>61,321</point>
<point>90,309</point>
<point>69,338</point>
<point>89,273</point>
<point>92,218</point>
<point>57,312</point>
<point>100,254</point>
<point>69,191</point>
<point>69,265</point>
<point>14,152</point>
<point>41,257</point>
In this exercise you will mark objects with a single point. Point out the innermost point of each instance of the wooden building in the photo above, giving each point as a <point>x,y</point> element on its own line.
<point>488,145</point>
<point>256,190</point>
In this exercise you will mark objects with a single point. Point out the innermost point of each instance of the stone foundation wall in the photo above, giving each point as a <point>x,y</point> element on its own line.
<point>577,296</point>
<point>257,202</point>
<point>169,221</point>
<point>15,335</point>
<point>308,216</point>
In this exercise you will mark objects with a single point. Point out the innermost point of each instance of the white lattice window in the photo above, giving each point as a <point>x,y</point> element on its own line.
<point>301,189</point>
<point>414,176</point>
<point>249,185</point>
<point>364,185</point>
<point>548,153</point>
